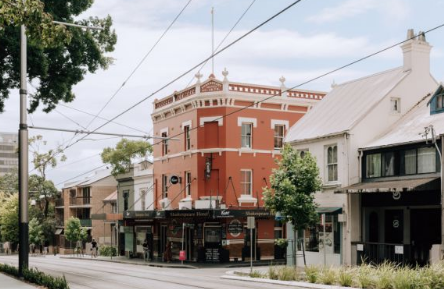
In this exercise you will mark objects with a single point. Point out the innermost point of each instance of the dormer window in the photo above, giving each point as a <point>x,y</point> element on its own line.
<point>437,101</point>
<point>395,105</point>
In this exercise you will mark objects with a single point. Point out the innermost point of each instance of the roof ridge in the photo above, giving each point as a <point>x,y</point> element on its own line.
<point>368,76</point>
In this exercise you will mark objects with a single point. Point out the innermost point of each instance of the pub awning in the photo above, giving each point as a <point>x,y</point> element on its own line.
<point>404,185</point>
<point>327,210</point>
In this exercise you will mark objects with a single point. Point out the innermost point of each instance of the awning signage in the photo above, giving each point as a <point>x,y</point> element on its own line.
<point>188,214</point>
<point>144,214</point>
<point>400,185</point>
<point>242,213</point>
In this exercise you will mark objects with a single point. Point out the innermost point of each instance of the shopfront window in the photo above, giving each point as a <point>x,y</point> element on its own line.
<point>212,234</point>
<point>314,236</point>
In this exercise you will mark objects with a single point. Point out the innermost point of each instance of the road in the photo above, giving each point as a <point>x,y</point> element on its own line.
<point>88,274</point>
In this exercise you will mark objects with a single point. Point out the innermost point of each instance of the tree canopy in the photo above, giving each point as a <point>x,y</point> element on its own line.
<point>58,56</point>
<point>74,231</point>
<point>293,185</point>
<point>9,218</point>
<point>120,158</point>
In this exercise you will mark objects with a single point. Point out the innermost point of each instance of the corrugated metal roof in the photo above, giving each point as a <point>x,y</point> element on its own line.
<point>345,106</point>
<point>111,198</point>
<point>422,184</point>
<point>96,176</point>
<point>410,127</point>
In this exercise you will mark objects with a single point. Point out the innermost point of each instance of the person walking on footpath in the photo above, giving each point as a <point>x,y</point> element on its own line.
<point>146,251</point>
<point>7,247</point>
<point>167,254</point>
<point>94,248</point>
<point>79,248</point>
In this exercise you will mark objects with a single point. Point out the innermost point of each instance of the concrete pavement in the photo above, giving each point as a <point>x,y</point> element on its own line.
<point>13,283</point>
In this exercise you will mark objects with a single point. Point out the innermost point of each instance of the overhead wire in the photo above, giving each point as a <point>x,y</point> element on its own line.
<point>306,82</point>
<point>188,71</point>
<point>223,40</point>
<point>140,62</point>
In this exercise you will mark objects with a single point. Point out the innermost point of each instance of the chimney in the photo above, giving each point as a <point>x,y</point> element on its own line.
<point>416,53</point>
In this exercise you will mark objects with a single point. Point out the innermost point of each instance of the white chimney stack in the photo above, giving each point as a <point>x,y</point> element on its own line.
<point>416,53</point>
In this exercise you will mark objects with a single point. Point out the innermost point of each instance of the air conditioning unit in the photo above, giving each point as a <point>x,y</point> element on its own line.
<point>186,205</point>
<point>165,204</point>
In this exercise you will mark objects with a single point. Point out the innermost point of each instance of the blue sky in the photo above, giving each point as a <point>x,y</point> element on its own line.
<point>309,39</point>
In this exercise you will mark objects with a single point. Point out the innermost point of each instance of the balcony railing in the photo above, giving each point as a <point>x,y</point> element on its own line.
<point>60,203</point>
<point>86,222</point>
<point>80,201</point>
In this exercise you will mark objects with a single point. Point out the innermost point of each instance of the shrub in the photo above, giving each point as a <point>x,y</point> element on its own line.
<point>288,274</point>
<point>365,276</point>
<point>256,274</point>
<point>35,276</point>
<point>327,276</point>
<point>345,277</point>
<point>311,273</point>
<point>107,251</point>
<point>283,243</point>
<point>273,273</point>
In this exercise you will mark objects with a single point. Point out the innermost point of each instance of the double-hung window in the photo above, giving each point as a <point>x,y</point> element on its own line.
<point>188,183</point>
<point>142,195</point>
<point>246,182</point>
<point>164,186</point>
<point>332,163</point>
<point>246,135</point>
<point>279,133</point>
<point>187,137</point>
<point>164,144</point>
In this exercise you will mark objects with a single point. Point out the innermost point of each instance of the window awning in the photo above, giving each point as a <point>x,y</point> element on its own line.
<point>327,210</point>
<point>58,231</point>
<point>422,184</point>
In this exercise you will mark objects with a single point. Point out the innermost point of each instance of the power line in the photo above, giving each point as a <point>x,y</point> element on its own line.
<point>310,80</point>
<point>223,40</point>
<point>189,70</point>
<point>70,119</point>
<point>140,63</point>
<point>81,175</point>
<point>102,118</point>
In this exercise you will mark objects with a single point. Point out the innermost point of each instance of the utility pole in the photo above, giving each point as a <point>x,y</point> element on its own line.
<point>23,159</point>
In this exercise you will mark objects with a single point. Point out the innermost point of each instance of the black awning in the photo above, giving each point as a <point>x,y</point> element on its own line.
<point>327,210</point>
<point>404,185</point>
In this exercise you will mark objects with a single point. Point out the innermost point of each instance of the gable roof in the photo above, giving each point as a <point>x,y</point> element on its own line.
<point>94,177</point>
<point>343,107</point>
<point>410,127</point>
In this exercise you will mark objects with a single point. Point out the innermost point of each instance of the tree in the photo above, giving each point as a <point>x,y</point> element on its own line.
<point>293,185</point>
<point>126,150</point>
<point>9,183</point>
<point>58,56</point>
<point>9,218</point>
<point>74,231</point>
<point>36,234</point>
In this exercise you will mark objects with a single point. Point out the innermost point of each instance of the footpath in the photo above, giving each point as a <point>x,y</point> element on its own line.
<point>8,282</point>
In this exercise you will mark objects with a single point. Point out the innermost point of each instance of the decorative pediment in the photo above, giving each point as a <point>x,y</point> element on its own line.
<point>211,86</point>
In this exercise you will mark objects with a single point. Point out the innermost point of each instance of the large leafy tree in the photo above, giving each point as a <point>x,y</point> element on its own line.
<point>36,234</point>
<point>9,183</point>
<point>293,185</point>
<point>58,56</point>
<point>120,158</point>
<point>74,231</point>
<point>9,218</point>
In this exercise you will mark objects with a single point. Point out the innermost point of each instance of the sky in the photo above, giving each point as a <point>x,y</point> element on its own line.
<point>309,39</point>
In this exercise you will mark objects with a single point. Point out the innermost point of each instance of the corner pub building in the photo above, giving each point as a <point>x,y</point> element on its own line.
<point>209,177</point>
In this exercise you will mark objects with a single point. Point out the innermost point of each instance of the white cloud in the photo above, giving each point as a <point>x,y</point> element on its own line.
<point>395,10</point>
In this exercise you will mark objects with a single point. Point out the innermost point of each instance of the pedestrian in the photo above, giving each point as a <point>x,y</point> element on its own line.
<point>94,248</point>
<point>7,247</point>
<point>79,247</point>
<point>146,251</point>
<point>167,254</point>
<point>32,249</point>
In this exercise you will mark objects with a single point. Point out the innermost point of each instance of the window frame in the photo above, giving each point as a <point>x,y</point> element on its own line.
<point>278,137</point>
<point>332,164</point>
<point>164,143</point>
<point>243,181</point>
<point>188,184</point>
<point>395,105</point>
<point>187,137</point>
<point>164,186</point>
<point>247,137</point>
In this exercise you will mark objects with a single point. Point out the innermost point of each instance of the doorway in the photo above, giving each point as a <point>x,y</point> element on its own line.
<point>162,240</point>
<point>373,227</point>
<point>189,244</point>
<point>394,226</point>
<point>425,230</point>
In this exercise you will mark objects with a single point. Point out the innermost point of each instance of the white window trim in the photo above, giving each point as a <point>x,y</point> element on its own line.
<point>251,183</point>
<point>241,120</point>
<point>186,123</point>
<point>326,163</point>
<point>163,130</point>
<point>188,185</point>
<point>398,111</point>
<point>275,122</point>
<point>219,119</point>
<point>251,137</point>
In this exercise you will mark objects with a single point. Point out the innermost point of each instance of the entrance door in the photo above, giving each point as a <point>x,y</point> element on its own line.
<point>213,243</point>
<point>246,250</point>
<point>394,226</point>
<point>162,240</point>
<point>189,244</point>
<point>373,228</point>
<point>425,226</point>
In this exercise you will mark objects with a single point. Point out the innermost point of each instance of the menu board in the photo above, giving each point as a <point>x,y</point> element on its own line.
<point>212,255</point>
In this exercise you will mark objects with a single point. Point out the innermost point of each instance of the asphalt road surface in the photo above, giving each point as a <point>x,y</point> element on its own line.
<point>91,274</point>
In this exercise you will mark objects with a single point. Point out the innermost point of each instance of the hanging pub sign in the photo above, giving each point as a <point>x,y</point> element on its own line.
<point>235,228</point>
<point>208,165</point>
<point>174,179</point>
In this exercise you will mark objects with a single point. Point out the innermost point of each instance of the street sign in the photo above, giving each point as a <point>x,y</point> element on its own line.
<point>174,179</point>
<point>251,224</point>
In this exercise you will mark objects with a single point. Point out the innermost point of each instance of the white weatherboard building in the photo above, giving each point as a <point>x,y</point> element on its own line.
<point>351,116</point>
